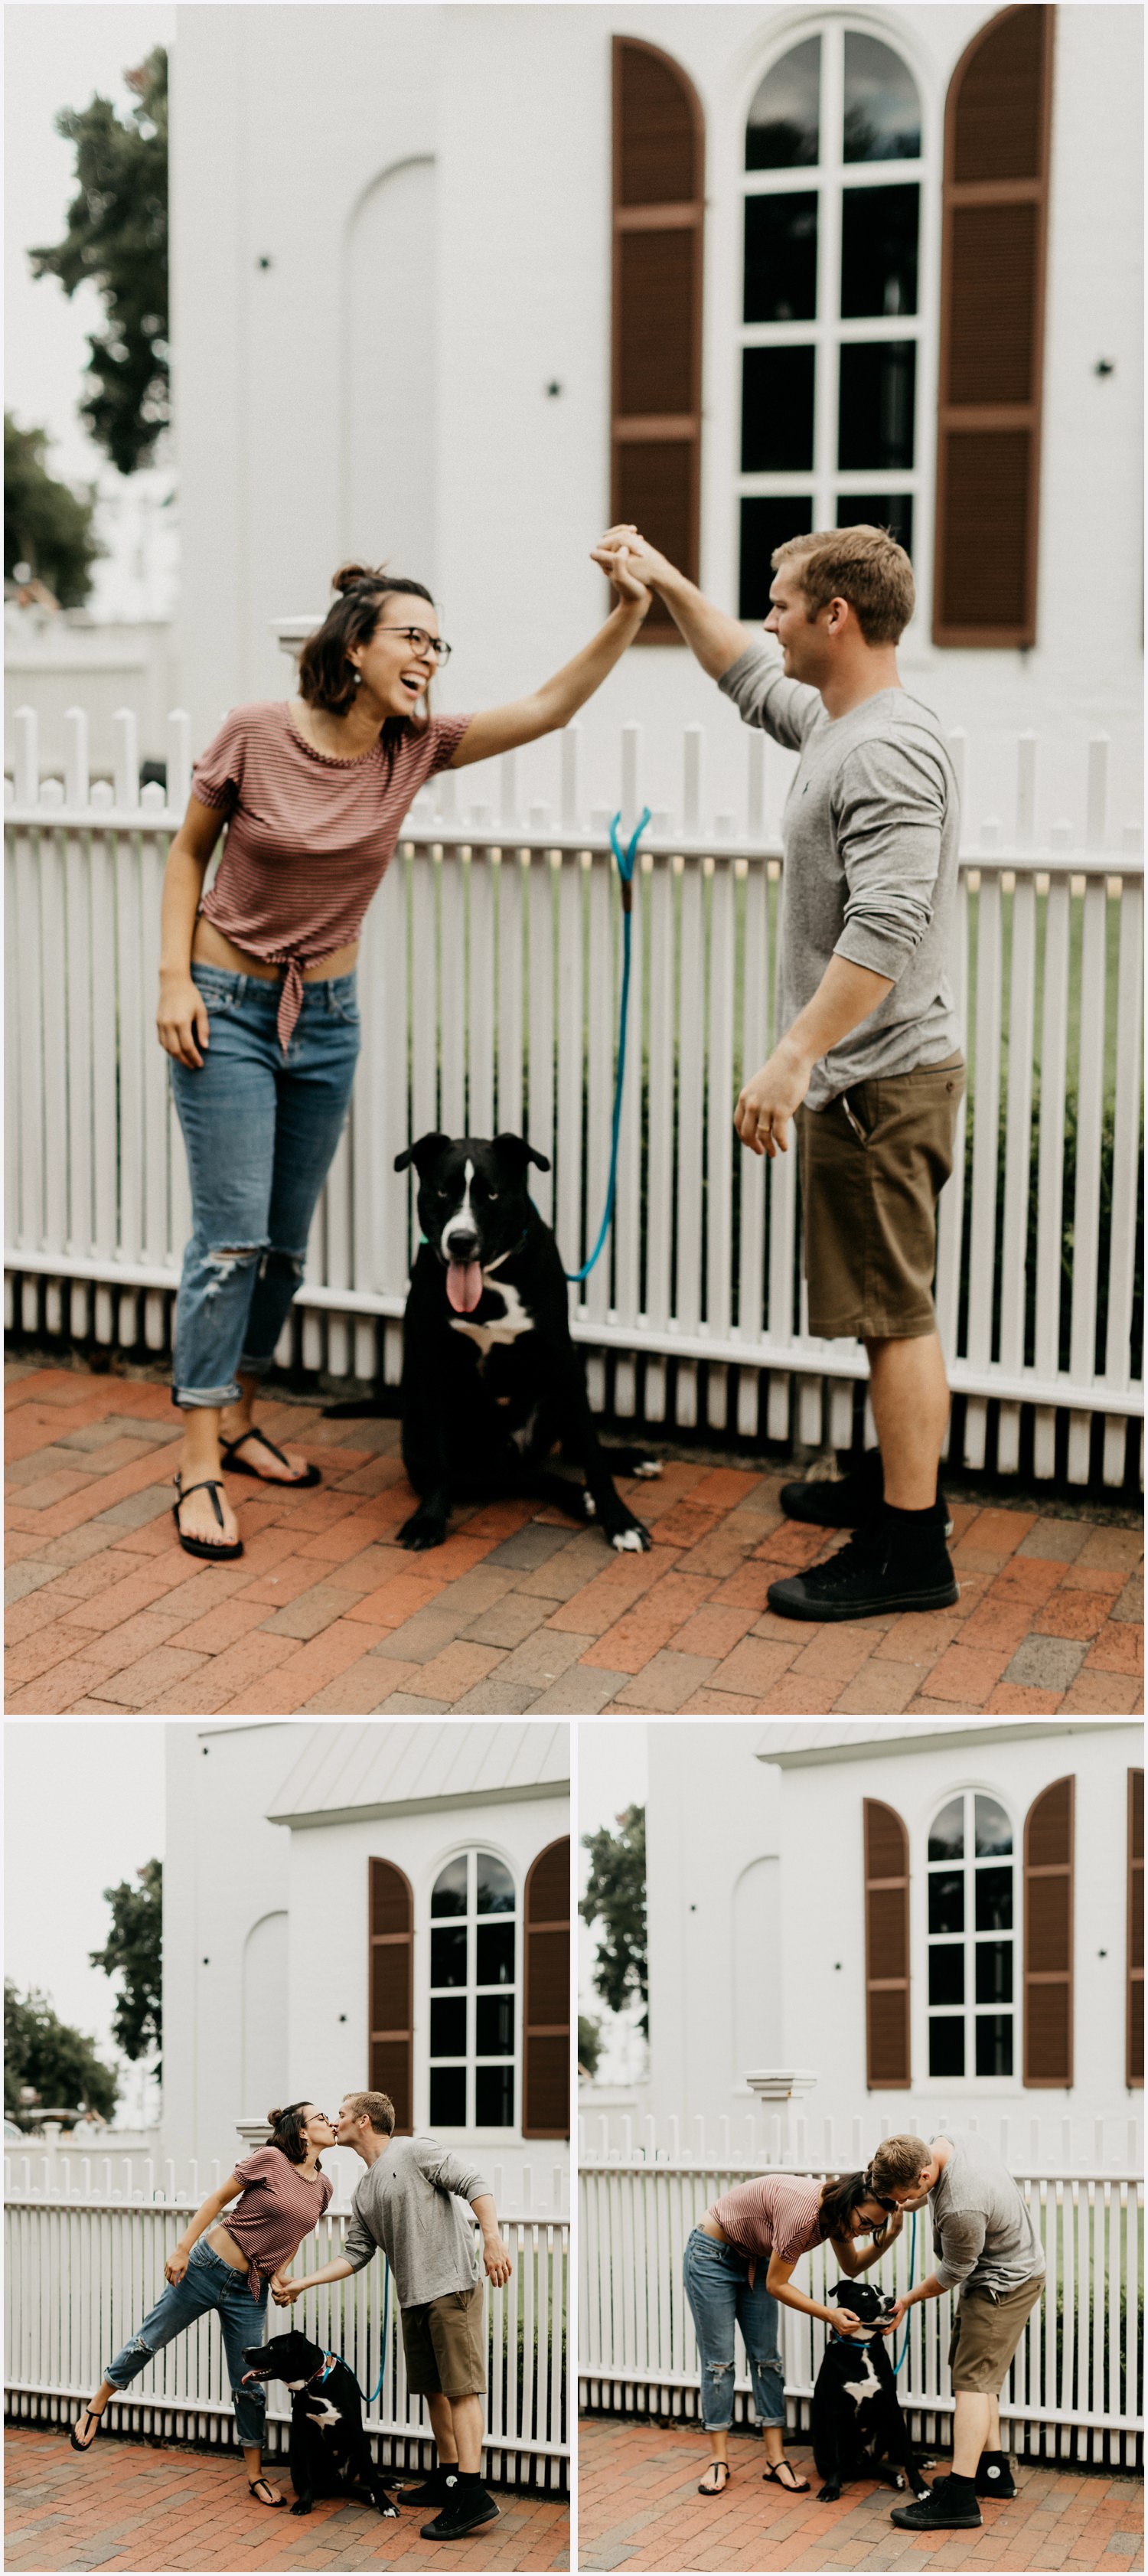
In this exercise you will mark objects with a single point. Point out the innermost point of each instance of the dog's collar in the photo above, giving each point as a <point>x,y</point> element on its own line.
<point>327,2364</point>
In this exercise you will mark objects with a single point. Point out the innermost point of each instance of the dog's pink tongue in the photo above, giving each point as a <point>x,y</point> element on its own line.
<point>464,1286</point>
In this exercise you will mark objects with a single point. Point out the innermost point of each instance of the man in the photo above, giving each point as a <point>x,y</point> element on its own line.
<point>990,2249</point>
<point>868,1060</point>
<point>407,2202</point>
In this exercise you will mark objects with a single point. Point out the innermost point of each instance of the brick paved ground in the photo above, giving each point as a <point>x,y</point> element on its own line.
<point>142,2505</point>
<point>325,1614</point>
<point>638,2507</point>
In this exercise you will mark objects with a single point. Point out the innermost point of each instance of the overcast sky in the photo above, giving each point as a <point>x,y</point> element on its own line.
<point>83,1809</point>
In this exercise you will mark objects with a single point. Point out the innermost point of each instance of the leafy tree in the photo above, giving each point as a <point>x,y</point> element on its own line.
<point>133,1951</point>
<point>117,237</point>
<point>616,1898</point>
<point>61,2063</point>
<point>589,2043</point>
<point>46,524</point>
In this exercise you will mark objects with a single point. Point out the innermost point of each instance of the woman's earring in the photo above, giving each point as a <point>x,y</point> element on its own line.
<point>356,675</point>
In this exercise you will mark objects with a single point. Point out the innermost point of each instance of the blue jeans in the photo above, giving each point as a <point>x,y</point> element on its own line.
<point>208,2282</point>
<point>717,2287</point>
<point>260,1135</point>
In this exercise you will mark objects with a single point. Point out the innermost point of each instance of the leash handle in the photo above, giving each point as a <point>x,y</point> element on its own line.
<point>626,861</point>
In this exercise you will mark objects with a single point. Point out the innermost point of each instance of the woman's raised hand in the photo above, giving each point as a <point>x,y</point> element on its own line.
<point>176,2265</point>
<point>623,554</point>
<point>181,1019</point>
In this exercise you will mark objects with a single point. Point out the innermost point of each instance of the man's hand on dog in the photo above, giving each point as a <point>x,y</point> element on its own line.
<point>774,1096</point>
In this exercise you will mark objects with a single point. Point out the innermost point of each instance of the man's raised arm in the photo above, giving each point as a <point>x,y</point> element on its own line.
<point>715,639</point>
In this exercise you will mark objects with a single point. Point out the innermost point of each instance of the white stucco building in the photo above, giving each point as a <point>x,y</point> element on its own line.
<point>347,1905</point>
<point>392,312</point>
<point>933,1922</point>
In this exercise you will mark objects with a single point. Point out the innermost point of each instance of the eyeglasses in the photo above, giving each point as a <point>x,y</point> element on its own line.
<point>420,642</point>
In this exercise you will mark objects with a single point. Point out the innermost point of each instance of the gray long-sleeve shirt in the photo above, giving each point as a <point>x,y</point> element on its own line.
<point>870,832</point>
<point>408,2202</point>
<point>981,2221</point>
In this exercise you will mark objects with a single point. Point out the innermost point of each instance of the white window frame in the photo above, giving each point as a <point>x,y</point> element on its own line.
<point>470,2131</point>
<point>827,333</point>
<point>971,2082</point>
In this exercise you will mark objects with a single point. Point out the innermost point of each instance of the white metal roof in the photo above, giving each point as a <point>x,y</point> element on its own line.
<point>349,1771</point>
<point>798,1744</point>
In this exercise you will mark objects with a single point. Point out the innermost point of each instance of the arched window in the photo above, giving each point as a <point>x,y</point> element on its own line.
<point>972,1915</point>
<point>655,474</point>
<point>830,330</point>
<point>473,1994</point>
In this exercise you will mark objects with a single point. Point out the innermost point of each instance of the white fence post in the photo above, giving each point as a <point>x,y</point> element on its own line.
<point>26,730</point>
<point>126,759</point>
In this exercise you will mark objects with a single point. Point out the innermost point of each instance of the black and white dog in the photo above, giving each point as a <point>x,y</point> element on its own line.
<point>491,1378</point>
<point>330,2454</point>
<point>858,2428</point>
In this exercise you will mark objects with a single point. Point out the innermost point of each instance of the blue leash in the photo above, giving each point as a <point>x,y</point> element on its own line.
<point>912,2268</point>
<point>383,2355</point>
<point>625,859</point>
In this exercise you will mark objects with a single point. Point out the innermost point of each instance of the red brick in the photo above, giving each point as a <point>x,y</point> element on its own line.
<point>1119,1648</point>
<point>217,1629</point>
<point>1103,1695</point>
<point>225,1676</point>
<point>879,1689</point>
<point>154,1468</point>
<point>966,1674</point>
<point>136,1591</point>
<point>607,1595</point>
<point>756,1666</point>
<point>449,1675</point>
<point>832,1654</point>
<point>712,1703</point>
<point>1014,1699</point>
<point>921,1636</point>
<point>715,1629</point>
<point>52,1488</point>
<point>1026,1578</point>
<point>748,1588</point>
<point>360,1687</point>
<point>999,1532</point>
<point>1115,1549</point>
<point>80,1673</point>
<point>794,1545</point>
<point>164,1670</point>
<point>649,1623</point>
<point>724,1488</point>
<point>398,1597</point>
<point>306,1670</point>
<point>682,1526</point>
<point>998,1623</point>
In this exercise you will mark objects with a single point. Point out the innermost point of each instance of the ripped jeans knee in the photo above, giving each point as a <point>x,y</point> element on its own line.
<point>717,2395</point>
<point>134,2357</point>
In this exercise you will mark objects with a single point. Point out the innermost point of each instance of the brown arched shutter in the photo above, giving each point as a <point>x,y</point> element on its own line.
<point>1135,1997</point>
<point>994,228</point>
<point>392,1990</point>
<point>1048,1855</point>
<point>656,365</point>
<point>546,2006</point>
<point>886,1949</point>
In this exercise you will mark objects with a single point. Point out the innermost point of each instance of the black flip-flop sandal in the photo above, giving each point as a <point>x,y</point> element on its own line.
<point>239,1467</point>
<point>800,2486</point>
<point>273,2504</point>
<point>92,2419</point>
<point>703,2490</point>
<point>216,1550</point>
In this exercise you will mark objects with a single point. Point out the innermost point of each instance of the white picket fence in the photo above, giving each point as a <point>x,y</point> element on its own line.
<point>800,2144</point>
<point>134,2176</point>
<point>81,2274</point>
<point>1074,2390</point>
<point>489,982</point>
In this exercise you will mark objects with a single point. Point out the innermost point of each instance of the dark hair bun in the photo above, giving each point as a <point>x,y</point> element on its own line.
<point>273,2119</point>
<point>349,575</point>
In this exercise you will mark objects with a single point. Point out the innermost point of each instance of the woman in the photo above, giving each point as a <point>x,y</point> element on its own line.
<point>257,1001</point>
<point>282,2193</point>
<point>737,2267</point>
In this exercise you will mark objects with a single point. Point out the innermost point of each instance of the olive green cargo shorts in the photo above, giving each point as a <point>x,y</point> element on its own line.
<point>873,1164</point>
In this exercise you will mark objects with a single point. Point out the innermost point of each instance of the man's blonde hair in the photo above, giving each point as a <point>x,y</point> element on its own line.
<point>378,2108</point>
<point>863,565</point>
<point>898,2163</point>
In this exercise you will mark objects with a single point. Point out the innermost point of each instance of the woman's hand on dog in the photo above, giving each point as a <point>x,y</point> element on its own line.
<point>843,2320</point>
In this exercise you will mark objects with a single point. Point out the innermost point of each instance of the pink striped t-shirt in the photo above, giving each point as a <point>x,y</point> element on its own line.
<point>308,836</point>
<point>773,2214</point>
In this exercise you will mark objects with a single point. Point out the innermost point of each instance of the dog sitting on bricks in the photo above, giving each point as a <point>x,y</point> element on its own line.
<point>330,2454</point>
<point>491,1379</point>
<point>857,2425</point>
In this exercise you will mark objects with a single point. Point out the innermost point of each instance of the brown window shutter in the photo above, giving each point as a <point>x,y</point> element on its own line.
<point>391,2006</point>
<point>886,1949</point>
<point>1048,1861</point>
<point>994,228</point>
<point>546,2005</point>
<point>656,400</point>
<point>1135,2050</point>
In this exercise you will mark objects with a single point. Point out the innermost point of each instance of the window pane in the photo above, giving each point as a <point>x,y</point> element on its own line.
<point>448,2028</point>
<point>448,2097</point>
<point>777,411</point>
<point>448,1958</point>
<point>495,1886</point>
<point>450,1888</point>
<point>878,251</point>
<point>875,420</point>
<point>947,1973</point>
<point>766,522</point>
<point>494,2097</point>
<point>891,510</point>
<point>784,118</point>
<point>993,1830</point>
<point>882,110</point>
<point>780,259</point>
<point>994,1972</point>
<point>947,2046</point>
<point>994,1900</point>
<point>494,2025</point>
<point>495,1955</point>
<point>994,2043</point>
<point>947,1834</point>
<point>946,1901</point>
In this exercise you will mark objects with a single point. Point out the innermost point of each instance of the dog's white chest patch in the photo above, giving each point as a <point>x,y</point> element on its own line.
<point>502,1328</point>
<point>324,2413</point>
<point>860,2389</point>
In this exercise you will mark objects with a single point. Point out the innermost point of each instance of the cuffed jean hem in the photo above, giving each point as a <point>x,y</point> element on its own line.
<point>256,1368</point>
<point>189,1396</point>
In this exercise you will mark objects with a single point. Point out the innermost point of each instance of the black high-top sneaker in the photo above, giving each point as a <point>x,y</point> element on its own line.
<point>950,2505</point>
<point>466,2506</point>
<point>882,1569</point>
<point>994,2476</point>
<point>430,2493</point>
<point>844,1502</point>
